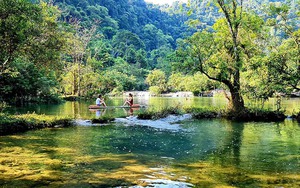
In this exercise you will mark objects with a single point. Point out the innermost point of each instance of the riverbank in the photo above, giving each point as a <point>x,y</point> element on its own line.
<point>10,124</point>
<point>208,113</point>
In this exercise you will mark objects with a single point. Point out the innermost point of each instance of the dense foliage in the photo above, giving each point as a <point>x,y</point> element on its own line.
<point>86,47</point>
<point>236,51</point>
<point>29,55</point>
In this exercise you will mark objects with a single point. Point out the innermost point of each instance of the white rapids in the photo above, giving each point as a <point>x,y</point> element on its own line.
<point>168,123</point>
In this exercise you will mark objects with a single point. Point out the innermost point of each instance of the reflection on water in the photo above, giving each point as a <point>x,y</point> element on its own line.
<point>206,153</point>
<point>79,109</point>
<point>98,112</point>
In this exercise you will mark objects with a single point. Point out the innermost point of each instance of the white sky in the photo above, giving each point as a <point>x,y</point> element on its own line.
<point>161,2</point>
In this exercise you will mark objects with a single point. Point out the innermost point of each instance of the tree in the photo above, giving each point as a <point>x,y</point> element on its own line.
<point>31,31</point>
<point>125,41</point>
<point>27,83</point>
<point>115,82</point>
<point>78,44</point>
<point>32,40</point>
<point>223,54</point>
<point>285,64</point>
<point>157,78</point>
<point>18,21</point>
<point>195,83</point>
<point>155,38</point>
<point>175,82</point>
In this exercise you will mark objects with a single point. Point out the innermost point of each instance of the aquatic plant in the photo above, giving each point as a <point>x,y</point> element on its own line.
<point>161,113</point>
<point>202,112</point>
<point>19,123</point>
<point>103,119</point>
<point>249,114</point>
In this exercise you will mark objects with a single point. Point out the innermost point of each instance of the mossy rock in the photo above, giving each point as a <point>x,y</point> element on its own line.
<point>11,124</point>
<point>203,113</point>
<point>148,114</point>
<point>103,119</point>
<point>255,115</point>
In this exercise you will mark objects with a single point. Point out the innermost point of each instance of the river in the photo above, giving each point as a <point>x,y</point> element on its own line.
<point>160,153</point>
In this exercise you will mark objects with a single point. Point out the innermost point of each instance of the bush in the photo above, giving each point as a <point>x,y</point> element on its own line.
<point>149,114</point>
<point>155,90</point>
<point>201,113</point>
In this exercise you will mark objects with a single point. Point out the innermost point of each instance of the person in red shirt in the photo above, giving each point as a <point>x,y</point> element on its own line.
<point>129,100</point>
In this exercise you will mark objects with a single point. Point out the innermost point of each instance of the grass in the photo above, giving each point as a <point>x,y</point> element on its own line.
<point>255,114</point>
<point>157,114</point>
<point>249,114</point>
<point>103,119</point>
<point>203,113</point>
<point>10,124</point>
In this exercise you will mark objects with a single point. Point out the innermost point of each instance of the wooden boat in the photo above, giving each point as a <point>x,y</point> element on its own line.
<point>103,107</point>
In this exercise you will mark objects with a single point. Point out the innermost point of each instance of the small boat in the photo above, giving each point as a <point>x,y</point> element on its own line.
<point>103,107</point>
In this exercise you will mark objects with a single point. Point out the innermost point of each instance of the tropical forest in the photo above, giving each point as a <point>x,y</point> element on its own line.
<point>146,93</point>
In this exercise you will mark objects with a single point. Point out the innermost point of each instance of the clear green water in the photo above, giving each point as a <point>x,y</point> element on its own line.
<point>80,109</point>
<point>202,153</point>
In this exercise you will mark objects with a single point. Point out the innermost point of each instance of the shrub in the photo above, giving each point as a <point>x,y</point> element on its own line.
<point>162,113</point>
<point>255,115</point>
<point>201,113</point>
<point>103,119</point>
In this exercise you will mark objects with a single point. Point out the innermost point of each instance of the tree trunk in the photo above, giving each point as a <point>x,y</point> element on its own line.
<point>79,80</point>
<point>74,85</point>
<point>236,102</point>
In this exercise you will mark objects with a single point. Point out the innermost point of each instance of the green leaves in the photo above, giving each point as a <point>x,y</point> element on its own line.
<point>157,78</point>
<point>18,20</point>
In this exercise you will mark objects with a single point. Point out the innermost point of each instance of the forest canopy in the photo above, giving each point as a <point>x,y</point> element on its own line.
<point>83,48</point>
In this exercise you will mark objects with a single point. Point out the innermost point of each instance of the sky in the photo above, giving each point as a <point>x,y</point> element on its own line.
<point>163,1</point>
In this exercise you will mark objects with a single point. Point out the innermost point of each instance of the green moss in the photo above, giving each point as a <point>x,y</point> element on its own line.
<point>10,124</point>
<point>203,113</point>
<point>103,119</point>
<point>251,114</point>
<point>157,114</point>
<point>71,98</point>
<point>254,114</point>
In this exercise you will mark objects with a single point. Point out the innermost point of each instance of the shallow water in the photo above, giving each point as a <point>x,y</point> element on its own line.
<point>79,109</point>
<point>172,152</point>
<point>202,153</point>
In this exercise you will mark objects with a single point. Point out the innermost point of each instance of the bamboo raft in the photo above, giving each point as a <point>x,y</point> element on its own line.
<point>103,107</point>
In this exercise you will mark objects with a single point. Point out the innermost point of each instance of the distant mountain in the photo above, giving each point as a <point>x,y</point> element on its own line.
<point>135,15</point>
<point>131,15</point>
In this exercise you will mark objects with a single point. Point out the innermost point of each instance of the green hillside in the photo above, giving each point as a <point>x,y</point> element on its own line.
<point>87,47</point>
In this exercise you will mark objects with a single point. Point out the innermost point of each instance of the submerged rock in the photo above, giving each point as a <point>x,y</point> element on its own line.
<point>166,183</point>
